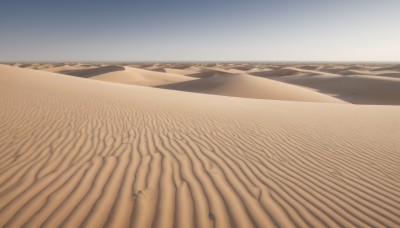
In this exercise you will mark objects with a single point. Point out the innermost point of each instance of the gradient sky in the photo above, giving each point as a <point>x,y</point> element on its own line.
<point>201,30</point>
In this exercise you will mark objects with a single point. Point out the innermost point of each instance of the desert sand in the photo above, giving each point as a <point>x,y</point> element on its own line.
<point>106,147</point>
<point>241,85</point>
<point>135,76</point>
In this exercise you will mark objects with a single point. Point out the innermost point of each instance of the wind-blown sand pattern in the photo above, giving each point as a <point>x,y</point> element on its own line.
<point>80,152</point>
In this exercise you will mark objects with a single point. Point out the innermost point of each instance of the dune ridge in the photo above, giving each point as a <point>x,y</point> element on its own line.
<point>250,87</point>
<point>356,89</point>
<point>136,76</point>
<point>78,152</point>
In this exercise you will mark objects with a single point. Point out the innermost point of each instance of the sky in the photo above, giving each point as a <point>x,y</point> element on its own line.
<point>200,30</point>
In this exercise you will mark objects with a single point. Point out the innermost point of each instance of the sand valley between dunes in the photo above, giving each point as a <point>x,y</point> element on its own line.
<point>199,145</point>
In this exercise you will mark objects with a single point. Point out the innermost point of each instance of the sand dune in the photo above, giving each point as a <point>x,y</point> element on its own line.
<point>250,87</point>
<point>205,71</point>
<point>276,73</point>
<point>354,83</point>
<point>206,74</point>
<point>339,71</point>
<point>257,69</point>
<point>90,72</point>
<point>391,75</point>
<point>60,68</point>
<point>309,67</point>
<point>156,68</point>
<point>391,67</point>
<point>78,152</point>
<point>135,76</point>
<point>181,71</point>
<point>359,89</point>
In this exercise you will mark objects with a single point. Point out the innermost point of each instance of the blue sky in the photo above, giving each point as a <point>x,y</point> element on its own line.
<point>218,30</point>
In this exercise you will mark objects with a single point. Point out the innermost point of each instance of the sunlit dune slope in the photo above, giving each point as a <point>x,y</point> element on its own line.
<point>251,87</point>
<point>135,76</point>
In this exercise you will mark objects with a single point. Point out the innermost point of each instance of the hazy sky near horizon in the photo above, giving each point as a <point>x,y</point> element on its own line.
<point>207,30</point>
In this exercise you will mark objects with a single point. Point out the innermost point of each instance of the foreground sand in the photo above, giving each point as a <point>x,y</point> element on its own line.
<point>79,152</point>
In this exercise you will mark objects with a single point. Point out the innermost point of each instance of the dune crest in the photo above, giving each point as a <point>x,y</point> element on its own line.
<point>90,72</point>
<point>136,76</point>
<point>251,87</point>
<point>356,89</point>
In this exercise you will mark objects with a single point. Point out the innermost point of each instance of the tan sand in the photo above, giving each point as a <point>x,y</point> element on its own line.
<point>205,71</point>
<point>93,71</point>
<point>251,87</point>
<point>67,68</point>
<point>79,152</point>
<point>277,73</point>
<point>135,76</point>
<point>356,89</point>
<point>181,71</point>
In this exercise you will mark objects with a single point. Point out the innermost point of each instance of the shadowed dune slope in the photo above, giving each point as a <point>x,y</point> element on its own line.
<point>181,71</point>
<point>59,68</point>
<point>82,153</point>
<point>309,67</point>
<point>395,67</point>
<point>360,89</point>
<point>90,72</point>
<point>251,87</point>
<point>339,71</point>
<point>136,76</point>
<point>205,71</point>
<point>391,75</point>
<point>276,73</point>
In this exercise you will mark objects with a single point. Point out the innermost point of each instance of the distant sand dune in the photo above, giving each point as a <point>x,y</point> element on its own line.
<point>59,68</point>
<point>205,74</point>
<point>395,67</point>
<point>206,71</point>
<point>359,89</point>
<point>250,87</point>
<point>276,73</point>
<point>156,68</point>
<point>391,75</point>
<point>181,71</point>
<point>81,153</point>
<point>309,67</point>
<point>86,73</point>
<point>257,69</point>
<point>135,76</point>
<point>339,71</point>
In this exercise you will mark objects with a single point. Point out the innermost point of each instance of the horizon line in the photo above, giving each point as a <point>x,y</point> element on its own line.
<point>193,61</point>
